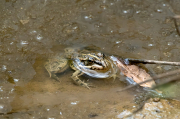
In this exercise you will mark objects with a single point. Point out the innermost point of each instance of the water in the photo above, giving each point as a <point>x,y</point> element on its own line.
<point>32,31</point>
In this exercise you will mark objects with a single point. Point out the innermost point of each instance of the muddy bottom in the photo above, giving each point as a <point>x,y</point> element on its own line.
<point>44,97</point>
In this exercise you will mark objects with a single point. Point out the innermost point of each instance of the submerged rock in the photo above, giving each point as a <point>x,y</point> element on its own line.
<point>166,109</point>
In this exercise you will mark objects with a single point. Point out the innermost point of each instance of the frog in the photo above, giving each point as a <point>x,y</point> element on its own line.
<point>56,64</point>
<point>94,64</point>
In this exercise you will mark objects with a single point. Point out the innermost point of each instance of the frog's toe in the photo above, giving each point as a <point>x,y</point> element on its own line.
<point>86,85</point>
<point>90,85</point>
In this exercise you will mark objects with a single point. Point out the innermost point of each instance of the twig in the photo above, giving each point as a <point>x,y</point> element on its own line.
<point>153,62</point>
<point>174,78</point>
<point>175,23</point>
<point>175,72</point>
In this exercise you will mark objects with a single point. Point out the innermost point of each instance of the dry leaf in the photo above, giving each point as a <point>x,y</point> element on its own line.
<point>135,73</point>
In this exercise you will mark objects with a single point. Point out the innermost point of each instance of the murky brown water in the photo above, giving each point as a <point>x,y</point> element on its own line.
<point>32,30</point>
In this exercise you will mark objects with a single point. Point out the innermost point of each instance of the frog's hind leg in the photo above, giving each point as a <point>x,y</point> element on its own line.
<point>75,77</point>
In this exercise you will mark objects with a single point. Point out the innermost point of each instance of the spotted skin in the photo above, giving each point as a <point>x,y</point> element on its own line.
<point>91,61</point>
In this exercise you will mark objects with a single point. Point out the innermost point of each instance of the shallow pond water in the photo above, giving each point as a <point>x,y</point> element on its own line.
<point>33,30</point>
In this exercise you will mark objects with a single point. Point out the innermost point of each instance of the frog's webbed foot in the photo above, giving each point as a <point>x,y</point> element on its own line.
<point>82,83</point>
<point>89,85</point>
<point>76,79</point>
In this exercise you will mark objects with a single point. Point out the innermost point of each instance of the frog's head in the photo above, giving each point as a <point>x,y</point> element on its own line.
<point>69,52</point>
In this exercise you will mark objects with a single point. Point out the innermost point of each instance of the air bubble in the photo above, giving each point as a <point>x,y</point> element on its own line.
<point>1,107</point>
<point>33,32</point>
<point>74,103</point>
<point>111,3</point>
<point>159,10</point>
<point>12,90</point>
<point>125,11</point>
<point>16,80</point>
<point>150,45</point>
<point>39,37</point>
<point>75,27</point>
<point>137,12</point>
<point>117,42</point>
<point>24,42</point>
<point>3,68</point>
<point>170,43</point>
<point>86,17</point>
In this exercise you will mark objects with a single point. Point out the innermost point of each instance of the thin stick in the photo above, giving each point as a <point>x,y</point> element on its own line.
<point>153,62</point>
<point>175,72</point>
<point>175,23</point>
<point>173,78</point>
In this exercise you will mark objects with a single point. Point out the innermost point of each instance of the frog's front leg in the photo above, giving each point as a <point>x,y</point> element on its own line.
<point>75,77</point>
<point>52,74</point>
